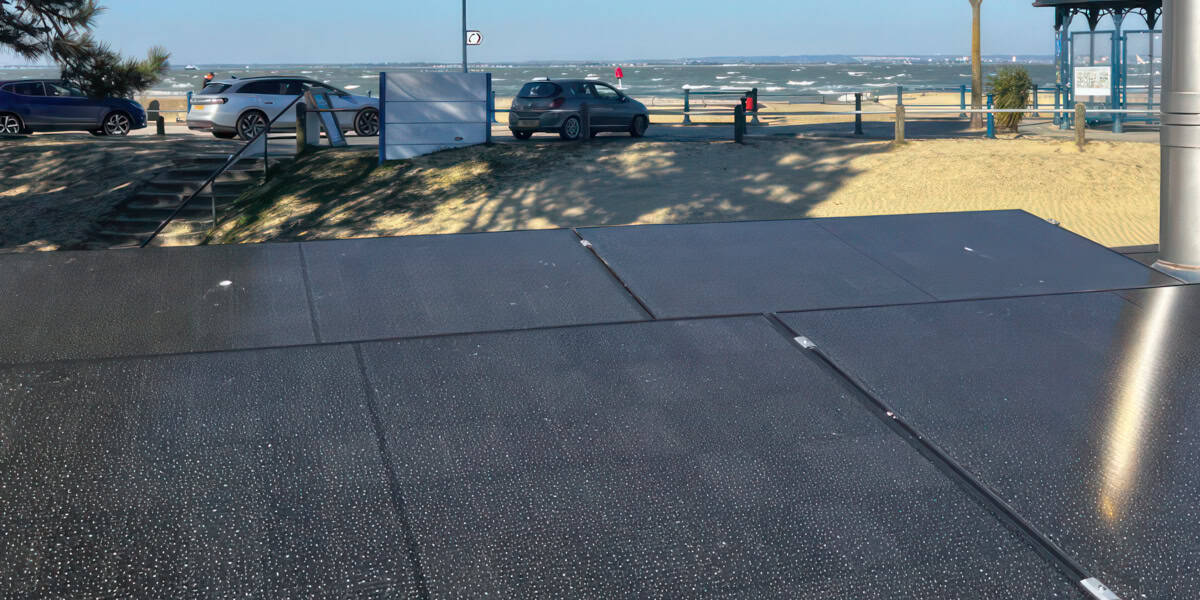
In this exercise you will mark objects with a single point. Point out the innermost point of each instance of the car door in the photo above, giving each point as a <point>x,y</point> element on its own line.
<point>267,96</point>
<point>69,108</point>
<point>27,97</point>
<point>603,105</point>
<point>275,99</point>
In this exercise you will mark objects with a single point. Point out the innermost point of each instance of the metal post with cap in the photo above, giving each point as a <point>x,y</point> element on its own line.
<point>1179,231</point>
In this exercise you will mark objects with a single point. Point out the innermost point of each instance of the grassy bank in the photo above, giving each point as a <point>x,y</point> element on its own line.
<point>1108,193</point>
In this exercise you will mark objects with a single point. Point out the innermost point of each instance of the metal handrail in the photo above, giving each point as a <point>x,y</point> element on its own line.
<point>211,181</point>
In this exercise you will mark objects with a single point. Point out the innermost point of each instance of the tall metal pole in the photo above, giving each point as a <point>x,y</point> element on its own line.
<point>464,36</point>
<point>1179,232</point>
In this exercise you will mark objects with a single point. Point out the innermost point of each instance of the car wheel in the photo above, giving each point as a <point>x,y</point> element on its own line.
<point>571,129</point>
<point>638,128</point>
<point>117,124</point>
<point>522,135</point>
<point>224,135</point>
<point>251,125</point>
<point>10,124</point>
<point>367,122</point>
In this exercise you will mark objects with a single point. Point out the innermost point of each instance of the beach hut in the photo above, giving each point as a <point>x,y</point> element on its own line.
<point>1116,68</point>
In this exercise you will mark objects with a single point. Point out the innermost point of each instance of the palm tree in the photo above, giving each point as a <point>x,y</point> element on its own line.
<point>976,66</point>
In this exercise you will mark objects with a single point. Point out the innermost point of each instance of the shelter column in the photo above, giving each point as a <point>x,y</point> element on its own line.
<point>1180,139</point>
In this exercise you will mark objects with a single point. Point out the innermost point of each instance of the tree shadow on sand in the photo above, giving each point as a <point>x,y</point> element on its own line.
<point>543,184</point>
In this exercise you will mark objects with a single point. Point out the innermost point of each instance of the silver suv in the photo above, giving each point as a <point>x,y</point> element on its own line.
<point>243,107</point>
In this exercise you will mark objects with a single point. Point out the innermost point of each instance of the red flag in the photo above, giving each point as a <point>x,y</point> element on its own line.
<point>620,73</point>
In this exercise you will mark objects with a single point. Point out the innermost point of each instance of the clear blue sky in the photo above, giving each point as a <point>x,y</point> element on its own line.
<point>305,31</point>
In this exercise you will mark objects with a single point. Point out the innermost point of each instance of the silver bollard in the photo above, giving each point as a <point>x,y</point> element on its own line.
<point>1179,234</point>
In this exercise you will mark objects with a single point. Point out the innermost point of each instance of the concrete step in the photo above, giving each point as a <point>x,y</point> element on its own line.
<point>125,240</point>
<point>168,201</point>
<point>237,173</point>
<point>195,209</point>
<point>185,186</point>
<point>139,224</point>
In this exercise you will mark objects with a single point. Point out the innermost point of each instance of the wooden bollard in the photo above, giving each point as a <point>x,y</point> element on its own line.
<point>739,123</point>
<point>858,122</point>
<point>1080,125</point>
<point>301,128</point>
<point>899,125</point>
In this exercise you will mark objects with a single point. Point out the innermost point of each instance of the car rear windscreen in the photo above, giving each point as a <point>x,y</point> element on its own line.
<point>539,90</point>
<point>214,88</point>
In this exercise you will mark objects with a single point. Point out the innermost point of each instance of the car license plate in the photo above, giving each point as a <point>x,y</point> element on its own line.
<point>528,124</point>
<point>197,107</point>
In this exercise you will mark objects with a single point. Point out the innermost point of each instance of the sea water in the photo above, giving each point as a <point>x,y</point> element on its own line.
<point>644,80</point>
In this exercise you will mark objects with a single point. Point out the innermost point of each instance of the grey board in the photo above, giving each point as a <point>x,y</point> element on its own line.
<point>1079,410</point>
<point>253,474</point>
<point>59,305</point>
<point>990,254</point>
<point>672,459</point>
<point>423,285</point>
<point>741,268</point>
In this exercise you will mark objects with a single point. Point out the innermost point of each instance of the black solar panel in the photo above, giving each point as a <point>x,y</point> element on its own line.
<point>686,459</point>
<point>222,475</point>
<point>1079,410</point>
<point>59,305</point>
<point>497,415</point>
<point>422,285</point>
<point>741,268</point>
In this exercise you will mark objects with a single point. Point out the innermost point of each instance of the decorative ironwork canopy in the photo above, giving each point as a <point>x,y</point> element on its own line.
<point>1094,10</point>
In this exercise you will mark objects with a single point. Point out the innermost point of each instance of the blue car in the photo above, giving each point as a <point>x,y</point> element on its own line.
<point>47,105</point>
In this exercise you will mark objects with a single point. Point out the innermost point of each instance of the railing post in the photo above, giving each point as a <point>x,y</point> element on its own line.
<point>1035,102</point>
<point>301,128</point>
<point>1080,125</point>
<point>858,128</point>
<point>754,113</point>
<point>739,122</point>
<point>687,106</point>
<point>1118,123</point>
<point>899,125</point>
<point>266,139</point>
<point>492,106</point>
<point>1059,118</point>
<point>900,95</point>
<point>962,100</point>
<point>991,118</point>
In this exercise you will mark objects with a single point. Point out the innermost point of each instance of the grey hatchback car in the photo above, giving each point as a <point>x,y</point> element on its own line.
<point>553,106</point>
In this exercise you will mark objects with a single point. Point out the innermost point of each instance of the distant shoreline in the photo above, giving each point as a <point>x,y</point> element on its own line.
<point>835,59</point>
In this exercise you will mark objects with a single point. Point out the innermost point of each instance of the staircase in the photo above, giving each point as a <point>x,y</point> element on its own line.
<point>135,219</point>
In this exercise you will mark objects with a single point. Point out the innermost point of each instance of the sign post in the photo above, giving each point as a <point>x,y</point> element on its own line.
<point>320,102</point>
